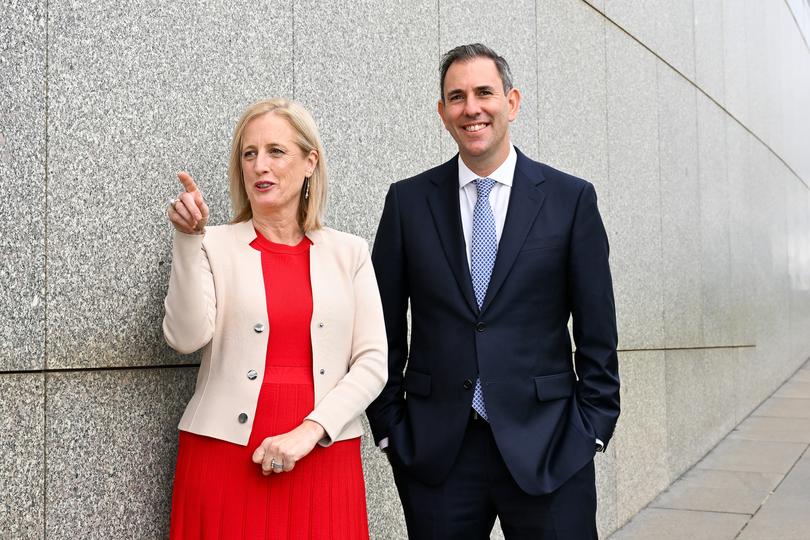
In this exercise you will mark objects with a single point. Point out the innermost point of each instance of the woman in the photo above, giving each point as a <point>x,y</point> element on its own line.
<point>288,316</point>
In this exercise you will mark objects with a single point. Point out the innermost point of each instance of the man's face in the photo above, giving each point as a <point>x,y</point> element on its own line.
<point>477,113</point>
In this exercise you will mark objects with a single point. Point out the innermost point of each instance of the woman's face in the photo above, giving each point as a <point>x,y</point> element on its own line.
<point>273,166</point>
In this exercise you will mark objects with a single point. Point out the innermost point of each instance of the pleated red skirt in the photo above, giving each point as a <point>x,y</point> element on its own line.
<point>219,493</point>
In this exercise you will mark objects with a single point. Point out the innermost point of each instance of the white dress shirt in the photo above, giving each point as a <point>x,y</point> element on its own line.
<point>498,196</point>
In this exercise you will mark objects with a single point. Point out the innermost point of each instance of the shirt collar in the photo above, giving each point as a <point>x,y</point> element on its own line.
<point>503,174</point>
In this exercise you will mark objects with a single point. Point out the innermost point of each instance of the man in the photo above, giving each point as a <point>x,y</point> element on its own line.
<point>494,252</point>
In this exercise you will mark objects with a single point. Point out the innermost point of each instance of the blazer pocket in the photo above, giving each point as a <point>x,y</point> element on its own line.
<point>550,242</point>
<point>559,386</point>
<point>417,383</point>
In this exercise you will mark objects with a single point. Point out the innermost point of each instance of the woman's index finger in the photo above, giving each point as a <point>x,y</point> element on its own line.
<point>187,181</point>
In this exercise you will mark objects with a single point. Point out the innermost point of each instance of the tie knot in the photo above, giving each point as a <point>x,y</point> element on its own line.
<point>484,186</point>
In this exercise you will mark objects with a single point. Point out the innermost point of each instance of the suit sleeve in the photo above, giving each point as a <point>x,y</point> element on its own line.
<point>594,318</point>
<point>389,259</point>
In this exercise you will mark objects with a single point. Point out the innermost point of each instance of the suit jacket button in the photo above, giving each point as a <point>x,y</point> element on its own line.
<point>258,328</point>
<point>467,384</point>
<point>242,418</point>
<point>480,327</point>
<point>252,374</point>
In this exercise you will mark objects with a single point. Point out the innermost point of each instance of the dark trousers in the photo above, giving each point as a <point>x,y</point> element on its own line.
<point>480,488</point>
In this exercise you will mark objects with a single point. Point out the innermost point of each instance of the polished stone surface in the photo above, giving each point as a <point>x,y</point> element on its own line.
<point>700,399</point>
<point>510,29</point>
<point>757,428</point>
<point>571,91</point>
<point>634,194</point>
<point>666,27</point>
<point>779,407</point>
<point>606,491</point>
<point>735,60</point>
<point>753,456</point>
<point>369,76</point>
<point>111,437</point>
<point>23,203</point>
<point>640,441</point>
<point>680,210</point>
<point>385,518</point>
<point>715,225</point>
<point>709,48</point>
<point>134,96</point>
<point>22,471</point>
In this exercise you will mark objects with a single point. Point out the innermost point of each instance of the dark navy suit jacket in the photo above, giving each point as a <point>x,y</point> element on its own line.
<point>552,262</point>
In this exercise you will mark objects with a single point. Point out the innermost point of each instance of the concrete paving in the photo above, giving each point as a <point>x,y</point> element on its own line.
<point>754,485</point>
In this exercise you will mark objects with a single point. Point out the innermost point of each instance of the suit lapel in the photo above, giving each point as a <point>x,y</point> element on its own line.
<point>444,206</point>
<point>525,201</point>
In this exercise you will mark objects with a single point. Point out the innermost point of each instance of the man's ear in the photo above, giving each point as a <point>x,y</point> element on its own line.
<point>440,109</point>
<point>513,100</point>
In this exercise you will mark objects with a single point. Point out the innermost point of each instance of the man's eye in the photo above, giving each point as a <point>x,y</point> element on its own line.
<point>455,97</point>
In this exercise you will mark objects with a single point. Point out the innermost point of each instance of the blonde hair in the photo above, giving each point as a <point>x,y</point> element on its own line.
<point>311,209</point>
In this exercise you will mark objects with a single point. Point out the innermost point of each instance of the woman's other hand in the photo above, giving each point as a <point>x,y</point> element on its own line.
<point>188,212</point>
<point>286,449</point>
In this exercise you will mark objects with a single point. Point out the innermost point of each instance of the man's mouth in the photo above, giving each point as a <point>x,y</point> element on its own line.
<point>472,128</point>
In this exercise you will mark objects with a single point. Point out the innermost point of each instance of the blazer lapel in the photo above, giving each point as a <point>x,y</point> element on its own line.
<point>444,206</point>
<point>525,201</point>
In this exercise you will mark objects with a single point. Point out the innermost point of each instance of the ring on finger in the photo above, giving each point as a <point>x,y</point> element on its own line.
<point>276,465</point>
<point>173,202</point>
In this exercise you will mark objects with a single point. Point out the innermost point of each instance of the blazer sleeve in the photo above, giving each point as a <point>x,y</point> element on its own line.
<point>594,318</point>
<point>390,264</point>
<point>367,366</point>
<point>190,303</point>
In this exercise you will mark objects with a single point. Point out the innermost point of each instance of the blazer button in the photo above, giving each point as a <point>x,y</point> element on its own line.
<point>322,371</point>
<point>242,418</point>
<point>480,327</point>
<point>258,328</point>
<point>320,325</point>
<point>467,384</point>
<point>252,374</point>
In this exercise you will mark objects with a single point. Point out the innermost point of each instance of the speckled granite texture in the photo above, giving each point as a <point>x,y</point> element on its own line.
<point>691,121</point>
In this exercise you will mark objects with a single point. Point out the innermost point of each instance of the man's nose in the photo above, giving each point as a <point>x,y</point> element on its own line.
<point>471,107</point>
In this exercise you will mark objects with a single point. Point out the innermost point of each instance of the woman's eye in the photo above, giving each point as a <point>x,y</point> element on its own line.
<point>248,154</point>
<point>276,151</point>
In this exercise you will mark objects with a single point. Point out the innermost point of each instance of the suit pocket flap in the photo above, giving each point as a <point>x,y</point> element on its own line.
<point>417,383</point>
<point>557,386</point>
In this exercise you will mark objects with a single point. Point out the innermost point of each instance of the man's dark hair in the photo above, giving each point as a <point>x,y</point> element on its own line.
<point>465,53</point>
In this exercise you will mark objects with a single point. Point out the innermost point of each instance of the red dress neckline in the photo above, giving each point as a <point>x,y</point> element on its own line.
<point>263,244</point>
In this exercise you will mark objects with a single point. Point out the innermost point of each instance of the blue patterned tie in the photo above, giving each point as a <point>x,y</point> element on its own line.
<point>482,259</point>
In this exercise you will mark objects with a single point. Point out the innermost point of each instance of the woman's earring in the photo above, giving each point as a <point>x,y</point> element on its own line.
<point>306,189</point>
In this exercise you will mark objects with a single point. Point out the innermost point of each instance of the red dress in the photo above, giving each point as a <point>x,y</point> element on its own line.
<point>219,493</point>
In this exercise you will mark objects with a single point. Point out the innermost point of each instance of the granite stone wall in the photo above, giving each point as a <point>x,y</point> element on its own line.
<point>692,118</point>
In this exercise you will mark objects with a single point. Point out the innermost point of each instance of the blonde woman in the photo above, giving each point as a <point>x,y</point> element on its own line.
<point>288,317</point>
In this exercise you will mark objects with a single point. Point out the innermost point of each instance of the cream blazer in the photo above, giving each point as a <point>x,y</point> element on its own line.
<point>216,302</point>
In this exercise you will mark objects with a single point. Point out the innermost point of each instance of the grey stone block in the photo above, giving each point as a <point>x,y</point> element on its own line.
<point>640,441</point>
<point>719,491</point>
<point>22,189</point>
<point>709,48</point>
<point>385,518</point>
<point>757,428</point>
<point>369,74</point>
<point>634,195</point>
<point>735,60</point>
<point>606,492</point>
<point>571,91</point>
<point>680,210</point>
<point>753,456</point>
<point>22,471</point>
<point>700,403</point>
<point>134,96</point>
<point>111,443</point>
<point>665,27</point>
<point>784,408</point>
<point>763,61</point>
<point>715,220</point>
<point>664,524</point>
<point>509,28</point>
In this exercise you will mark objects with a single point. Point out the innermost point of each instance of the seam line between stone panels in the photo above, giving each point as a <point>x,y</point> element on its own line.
<point>804,181</point>
<point>798,26</point>
<point>45,299</point>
